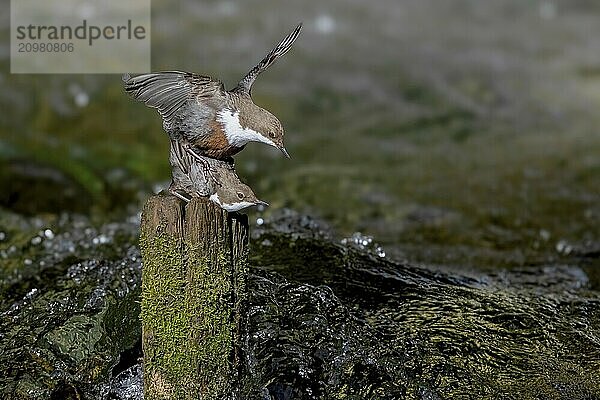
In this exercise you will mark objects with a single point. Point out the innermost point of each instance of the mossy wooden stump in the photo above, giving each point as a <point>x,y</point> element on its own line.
<point>195,265</point>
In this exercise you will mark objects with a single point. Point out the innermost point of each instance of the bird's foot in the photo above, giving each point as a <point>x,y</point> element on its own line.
<point>208,169</point>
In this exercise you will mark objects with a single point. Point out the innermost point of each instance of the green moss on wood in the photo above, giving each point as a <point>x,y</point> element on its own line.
<point>191,299</point>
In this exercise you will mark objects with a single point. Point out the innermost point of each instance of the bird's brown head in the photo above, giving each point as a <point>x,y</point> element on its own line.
<point>268,126</point>
<point>235,196</point>
<point>251,123</point>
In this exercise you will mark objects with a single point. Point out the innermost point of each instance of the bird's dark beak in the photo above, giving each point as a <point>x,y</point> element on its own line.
<point>262,203</point>
<point>284,151</point>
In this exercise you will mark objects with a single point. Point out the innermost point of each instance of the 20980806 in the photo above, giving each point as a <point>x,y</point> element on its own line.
<point>44,47</point>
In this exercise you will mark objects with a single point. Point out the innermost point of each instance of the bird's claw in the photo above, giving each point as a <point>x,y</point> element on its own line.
<point>208,169</point>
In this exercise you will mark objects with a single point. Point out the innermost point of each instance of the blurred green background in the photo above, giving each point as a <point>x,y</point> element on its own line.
<point>458,133</point>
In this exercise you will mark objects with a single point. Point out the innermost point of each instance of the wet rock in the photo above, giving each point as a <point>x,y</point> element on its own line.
<point>387,330</point>
<point>304,343</point>
<point>70,313</point>
<point>327,319</point>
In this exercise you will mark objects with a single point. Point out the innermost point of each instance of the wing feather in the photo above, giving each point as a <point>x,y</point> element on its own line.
<point>245,85</point>
<point>176,95</point>
<point>179,158</point>
<point>188,174</point>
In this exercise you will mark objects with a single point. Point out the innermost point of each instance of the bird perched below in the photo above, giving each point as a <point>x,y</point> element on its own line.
<point>222,185</point>
<point>207,119</point>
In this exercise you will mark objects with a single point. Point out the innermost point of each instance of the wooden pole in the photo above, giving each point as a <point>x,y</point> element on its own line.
<point>195,266</point>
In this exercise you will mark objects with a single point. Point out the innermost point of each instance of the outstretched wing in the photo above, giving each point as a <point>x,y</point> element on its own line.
<point>245,85</point>
<point>183,99</point>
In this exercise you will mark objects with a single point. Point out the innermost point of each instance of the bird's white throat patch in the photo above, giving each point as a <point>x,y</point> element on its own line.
<point>235,133</point>
<point>231,207</point>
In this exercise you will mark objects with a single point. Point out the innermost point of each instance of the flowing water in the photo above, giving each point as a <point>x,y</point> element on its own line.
<point>328,318</point>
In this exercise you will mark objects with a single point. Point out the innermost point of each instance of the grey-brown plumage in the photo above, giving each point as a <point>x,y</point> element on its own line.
<point>209,120</point>
<point>208,177</point>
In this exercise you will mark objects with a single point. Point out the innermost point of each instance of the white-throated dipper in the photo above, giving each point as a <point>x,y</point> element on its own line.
<point>210,178</point>
<point>207,119</point>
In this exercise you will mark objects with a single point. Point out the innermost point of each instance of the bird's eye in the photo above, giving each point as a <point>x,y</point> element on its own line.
<point>240,195</point>
<point>272,134</point>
